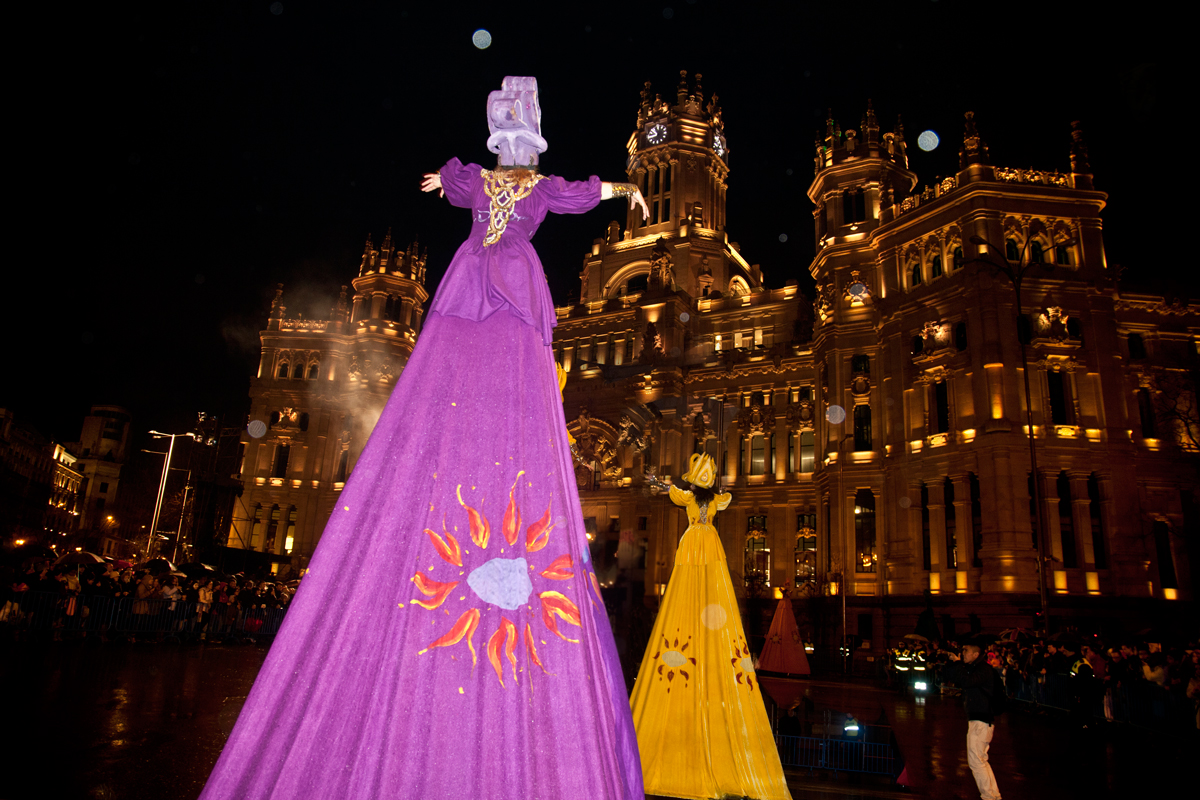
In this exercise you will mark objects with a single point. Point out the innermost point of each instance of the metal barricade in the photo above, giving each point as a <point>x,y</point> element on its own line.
<point>838,755</point>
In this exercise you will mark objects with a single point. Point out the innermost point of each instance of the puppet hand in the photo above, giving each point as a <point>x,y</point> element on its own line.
<point>433,180</point>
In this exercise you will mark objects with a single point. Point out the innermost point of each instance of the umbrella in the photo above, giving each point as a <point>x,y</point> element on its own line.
<point>195,569</point>
<point>119,563</point>
<point>918,637</point>
<point>1015,634</point>
<point>157,566</point>
<point>82,558</point>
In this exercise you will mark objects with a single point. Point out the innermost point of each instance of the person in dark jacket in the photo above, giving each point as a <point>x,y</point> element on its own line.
<point>977,681</point>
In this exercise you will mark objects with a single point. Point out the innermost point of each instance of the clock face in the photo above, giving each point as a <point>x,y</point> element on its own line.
<point>657,134</point>
<point>858,289</point>
<point>719,144</point>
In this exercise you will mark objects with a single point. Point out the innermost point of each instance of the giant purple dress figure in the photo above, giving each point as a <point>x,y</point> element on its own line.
<point>450,640</point>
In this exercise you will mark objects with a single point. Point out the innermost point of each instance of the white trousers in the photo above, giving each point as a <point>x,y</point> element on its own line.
<point>979,738</point>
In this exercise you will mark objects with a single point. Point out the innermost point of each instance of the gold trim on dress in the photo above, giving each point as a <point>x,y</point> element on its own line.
<point>504,188</point>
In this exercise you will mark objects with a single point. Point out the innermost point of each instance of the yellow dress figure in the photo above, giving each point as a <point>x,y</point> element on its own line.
<point>701,725</point>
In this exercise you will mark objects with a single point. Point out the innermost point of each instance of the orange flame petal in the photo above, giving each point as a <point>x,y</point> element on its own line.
<point>474,612</point>
<point>464,627</point>
<point>533,656</point>
<point>555,604</point>
<point>538,535</point>
<point>493,652</point>
<point>512,516</point>
<point>436,591</point>
<point>559,569</point>
<point>596,586</point>
<point>449,551</point>
<point>481,530</point>
<point>510,645</point>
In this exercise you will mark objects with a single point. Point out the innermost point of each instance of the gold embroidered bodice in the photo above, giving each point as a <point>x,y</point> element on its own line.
<point>504,189</point>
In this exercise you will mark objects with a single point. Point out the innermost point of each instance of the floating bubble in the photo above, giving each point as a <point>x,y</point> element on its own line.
<point>668,12</point>
<point>783,237</point>
<point>674,352</point>
<point>257,428</point>
<point>199,278</point>
<point>684,317</point>
<point>481,39</point>
<point>927,141</point>
<point>277,8</point>
<point>835,414</point>
<point>905,502</point>
<point>713,617</point>
<point>891,402</point>
<point>788,171</point>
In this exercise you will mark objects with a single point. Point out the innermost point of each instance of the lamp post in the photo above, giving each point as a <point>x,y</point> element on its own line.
<point>1016,276</point>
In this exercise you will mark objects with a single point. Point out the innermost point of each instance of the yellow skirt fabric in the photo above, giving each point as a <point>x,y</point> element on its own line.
<point>701,725</point>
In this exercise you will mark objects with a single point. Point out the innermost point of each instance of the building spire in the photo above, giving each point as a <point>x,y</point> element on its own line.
<point>974,149</point>
<point>277,307</point>
<point>870,125</point>
<point>1079,151</point>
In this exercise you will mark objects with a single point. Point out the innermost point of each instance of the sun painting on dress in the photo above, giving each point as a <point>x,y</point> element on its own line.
<point>504,581</point>
<point>673,657</point>
<point>742,663</point>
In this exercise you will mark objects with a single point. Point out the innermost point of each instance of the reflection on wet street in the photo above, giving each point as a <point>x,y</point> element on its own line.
<point>117,722</point>
<point>147,722</point>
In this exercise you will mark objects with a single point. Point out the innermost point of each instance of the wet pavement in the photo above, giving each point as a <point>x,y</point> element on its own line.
<point>147,722</point>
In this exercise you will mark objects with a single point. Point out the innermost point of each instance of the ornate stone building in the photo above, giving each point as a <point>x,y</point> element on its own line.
<point>320,388</point>
<point>874,437</point>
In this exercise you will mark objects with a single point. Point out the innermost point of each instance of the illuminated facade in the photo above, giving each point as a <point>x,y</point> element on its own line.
<point>102,450</point>
<point>320,388</point>
<point>874,436</point>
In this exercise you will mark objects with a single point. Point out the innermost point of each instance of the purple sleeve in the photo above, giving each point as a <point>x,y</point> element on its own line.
<point>459,181</point>
<point>571,197</point>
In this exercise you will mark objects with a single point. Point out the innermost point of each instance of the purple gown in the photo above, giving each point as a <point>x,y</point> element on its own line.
<point>450,640</point>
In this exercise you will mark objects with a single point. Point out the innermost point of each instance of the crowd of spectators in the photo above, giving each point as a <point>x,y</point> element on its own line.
<point>1089,677</point>
<point>150,606</point>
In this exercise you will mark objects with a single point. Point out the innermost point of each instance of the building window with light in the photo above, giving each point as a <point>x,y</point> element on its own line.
<point>1166,561</point>
<point>951,527</point>
<point>1060,401</point>
<point>935,267</point>
<point>1099,552</point>
<point>941,407</point>
<point>1066,523</point>
<point>808,449</point>
<point>862,427</point>
<point>256,528</point>
<point>279,467</point>
<point>289,540</point>
<point>806,549</point>
<point>1146,414</point>
<point>758,552</point>
<point>864,531</point>
<point>926,539</point>
<point>1011,251</point>
<point>976,521</point>
<point>339,475</point>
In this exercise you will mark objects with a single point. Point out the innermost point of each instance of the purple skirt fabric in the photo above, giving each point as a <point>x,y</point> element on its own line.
<point>449,640</point>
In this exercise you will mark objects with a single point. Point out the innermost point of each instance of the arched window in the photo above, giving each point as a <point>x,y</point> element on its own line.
<point>1166,561</point>
<point>1066,522</point>
<point>864,531</point>
<point>637,284</point>
<point>297,371</point>
<point>935,267</point>
<point>916,277</point>
<point>1146,414</point>
<point>918,345</point>
<point>304,421</point>
<point>1062,255</point>
<point>1011,251</point>
<point>1137,347</point>
<point>860,363</point>
<point>1036,254</point>
<point>958,257</point>
<point>960,336</point>
<point>1096,512</point>
<point>389,308</point>
<point>283,370</point>
<point>314,371</point>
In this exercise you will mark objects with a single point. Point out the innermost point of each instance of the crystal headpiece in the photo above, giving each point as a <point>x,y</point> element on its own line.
<point>515,122</point>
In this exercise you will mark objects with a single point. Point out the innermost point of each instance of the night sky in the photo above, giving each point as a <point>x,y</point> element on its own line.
<point>178,160</point>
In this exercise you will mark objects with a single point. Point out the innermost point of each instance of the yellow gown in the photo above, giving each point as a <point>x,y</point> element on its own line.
<point>702,728</point>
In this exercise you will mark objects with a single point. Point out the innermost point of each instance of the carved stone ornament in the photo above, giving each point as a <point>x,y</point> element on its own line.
<point>800,416</point>
<point>758,417</point>
<point>860,386</point>
<point>857,291</point>
<point>824,304</point>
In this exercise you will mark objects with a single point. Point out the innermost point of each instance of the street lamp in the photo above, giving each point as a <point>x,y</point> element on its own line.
<point>1016,275</point>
